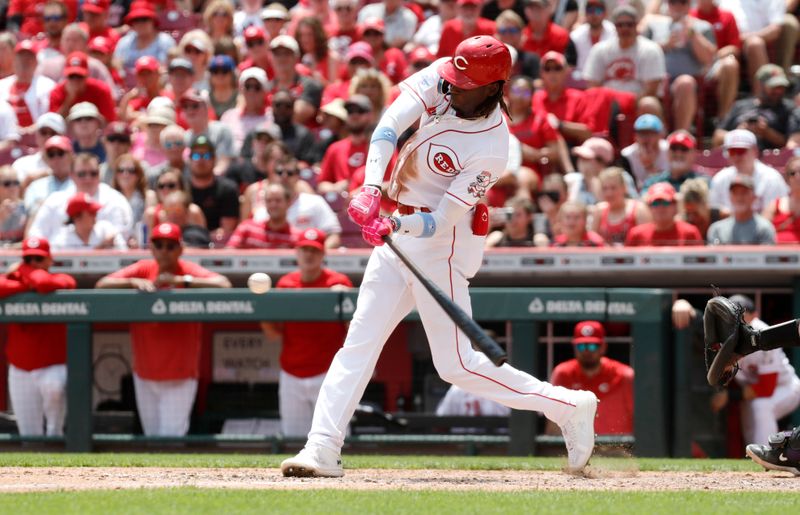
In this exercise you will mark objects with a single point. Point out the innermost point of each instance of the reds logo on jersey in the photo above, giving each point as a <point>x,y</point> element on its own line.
<point>356,160</point>
<point>442,160</point>
<point>478,187</point>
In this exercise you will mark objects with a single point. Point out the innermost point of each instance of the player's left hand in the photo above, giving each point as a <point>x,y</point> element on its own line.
<point>374,231</point>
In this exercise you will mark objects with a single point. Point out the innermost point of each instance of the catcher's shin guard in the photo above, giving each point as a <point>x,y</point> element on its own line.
<point>780,335</point>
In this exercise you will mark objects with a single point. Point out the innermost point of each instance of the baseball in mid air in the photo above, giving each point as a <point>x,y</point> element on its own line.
<point>259,283</point>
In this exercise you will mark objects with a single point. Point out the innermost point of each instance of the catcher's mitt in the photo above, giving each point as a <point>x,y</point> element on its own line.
<point>725,329</point>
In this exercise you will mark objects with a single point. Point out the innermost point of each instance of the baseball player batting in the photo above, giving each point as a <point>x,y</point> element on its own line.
<point>459,151</point>
<point>728,339</point>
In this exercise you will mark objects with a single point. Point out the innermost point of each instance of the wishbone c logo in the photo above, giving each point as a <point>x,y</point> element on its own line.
<point>463,59</point>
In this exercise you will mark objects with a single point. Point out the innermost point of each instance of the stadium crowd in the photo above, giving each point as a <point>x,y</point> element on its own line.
<point>635,122</point>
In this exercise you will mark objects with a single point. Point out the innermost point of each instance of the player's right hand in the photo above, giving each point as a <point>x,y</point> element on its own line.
<point>366,205</point>
<point>376,229</point>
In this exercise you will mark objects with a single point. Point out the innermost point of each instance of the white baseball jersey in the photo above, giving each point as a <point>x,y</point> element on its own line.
<point>448,155</point>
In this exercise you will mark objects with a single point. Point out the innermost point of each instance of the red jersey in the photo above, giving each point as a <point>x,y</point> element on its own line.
<point>97,92</point>
<point>681,234</point>
<point>616,233</point>
<point>165,351</point>
<point>613,385</point>
<point>555,38</point>
<point>334,90</point>
<point>35,345</point>
<point>309,347</point>
<point>32,11</point>
<point>453,34</point>
<point>250,234</point>
<point>569,107</point>
<point>534,131</point>
<point>393,64</point>
<point>726,31</point>
<point>16,98</point>
<point>787,226</point>
<point>342,159</point>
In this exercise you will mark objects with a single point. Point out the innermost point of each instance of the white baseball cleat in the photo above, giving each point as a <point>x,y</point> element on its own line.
<point>578,432</point>
<point>313,461</point>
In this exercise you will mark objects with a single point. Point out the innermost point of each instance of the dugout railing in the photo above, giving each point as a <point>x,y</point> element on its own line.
<point>647,311</point>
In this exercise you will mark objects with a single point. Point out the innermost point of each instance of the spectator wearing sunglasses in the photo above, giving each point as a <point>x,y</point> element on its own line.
<point>58,156</point>
<point>55,16</point>
<point>741,150</point>
<point>194,105</point>
<point>596,29</point>
<point>85,178</point>
<point>166,356</point>
<point>467,23</point>
<point>223,94</point>
<point>34,166</point>
<point>36,352</point>
<point>12,209</point>
<point>258,55</point>
<point>680,157</point>
<point>252,112</point>
<point>27,92</point>
<point>218,197</point>
<point>131,181</point>
<point>83,231</point>
<point>509,32</point>
<point>665,229</point>
<point>26,15</point>
<point>171,181</point>
<point>116,141</point>
<point>610,380</point>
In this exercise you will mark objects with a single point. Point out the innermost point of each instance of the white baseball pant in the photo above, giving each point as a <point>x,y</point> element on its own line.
<point>297,396</point>
<point>760,416</point>
<point>39,399</point>
<point>164,406</point>
<point>388,293</point>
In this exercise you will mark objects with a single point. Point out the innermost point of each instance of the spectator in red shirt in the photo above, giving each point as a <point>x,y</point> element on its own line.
<point>166,355</point>
<point>148,86</point>
<point>274,233</point>
<point>609,379</point>
<point>28,14</point>
<point>542,35</point>
<point>308,347</point>
<point>664,230</point>
<point>257,51</point>
<point>95,21</point>
<point>572,219</point>
<point>77,87</point>
<point>467,23</point>
<point>564,106</point>
<point>389,60</point>
<point>36,352</point>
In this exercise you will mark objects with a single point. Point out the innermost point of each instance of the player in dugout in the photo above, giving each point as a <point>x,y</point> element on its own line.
<point>441,224</point>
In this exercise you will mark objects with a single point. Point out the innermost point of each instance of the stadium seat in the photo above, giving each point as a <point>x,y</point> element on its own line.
<point>709,162</point>
<point>12,153</point>
<point>777,158</point>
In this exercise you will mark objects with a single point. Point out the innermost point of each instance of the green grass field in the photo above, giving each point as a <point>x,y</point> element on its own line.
<point>196,500</point>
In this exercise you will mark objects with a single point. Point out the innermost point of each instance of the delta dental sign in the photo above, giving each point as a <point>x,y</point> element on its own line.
<point>580,307</point>
<point>11,309</point>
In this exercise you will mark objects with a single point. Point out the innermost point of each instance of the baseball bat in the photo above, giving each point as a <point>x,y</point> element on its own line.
<point>464,322</point>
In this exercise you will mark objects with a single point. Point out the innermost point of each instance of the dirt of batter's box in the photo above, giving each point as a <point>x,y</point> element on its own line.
<point>21,479</point>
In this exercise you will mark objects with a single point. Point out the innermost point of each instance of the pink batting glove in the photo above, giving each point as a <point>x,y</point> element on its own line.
<point>365,206</point>
<point>374,231</point>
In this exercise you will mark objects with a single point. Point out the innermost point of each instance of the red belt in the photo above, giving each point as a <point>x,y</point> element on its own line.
<point>410,210</point>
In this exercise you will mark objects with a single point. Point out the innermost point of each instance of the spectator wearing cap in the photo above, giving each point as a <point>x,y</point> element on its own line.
<point>248,15</point>
<point>116,141</point>
<point>647,155</point>
<point>255,167</point>
<point>359,57</point>
<point>197,47</point>
<point>166,356</point>
<point>27,92</point>
<point>173,142</point>
<point>345,157</point>
<point>333,120</point>
<point>592,157</point>
<point>773,118</point>
<point>222,94</point>
<point>665,229</point>
<point>566,108</point>
<point>36,352</point>
<point>252,111</point>
<point>586,35</point>
<point>429,32</point>
<point>58,155</point>
<point>273,233</point>
<point>307,347</point>
<point>744,226</point>
<point>680,157</point>
<point>195,108</point>
<point>509,26</point>
<point>275,16</point>
<point>541,35</point>
<point>610,380</point>
<point>86,124</point>
<point>741,149</point>
<point>144,38</point>
<point>147,145</point>
<point>307,91</point>
<point>467,23</point>
<point>689,47</point>
<point>628,62</point>
<point>34,166</point>
<point>13,216</point>
<point>322,62</point>
<point>83,231</point>
<point>148,86</point>
<point>419,59</point>
<point>218,197</point>
<point>573,227</point>
<point>343,28</point>
<point>95,21</point>
<point>84,178</point>
<point>616,214</point>
<point>26,15</point>
<point>258,53</point>
<point>100,49</point>
<point>77,87</point>
<point>400,21</point>
<point>296,136</point>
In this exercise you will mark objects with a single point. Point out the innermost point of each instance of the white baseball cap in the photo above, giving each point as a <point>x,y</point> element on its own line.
<point>740,138</point>
<point>285,41</point>
<point>52,121</point>
<point>256,73</point>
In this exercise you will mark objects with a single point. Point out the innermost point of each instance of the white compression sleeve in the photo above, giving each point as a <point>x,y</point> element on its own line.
<point>425,225</point>
<point>398,117</point>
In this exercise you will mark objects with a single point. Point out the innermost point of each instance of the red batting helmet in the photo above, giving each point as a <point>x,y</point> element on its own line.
<point>477,61</point>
